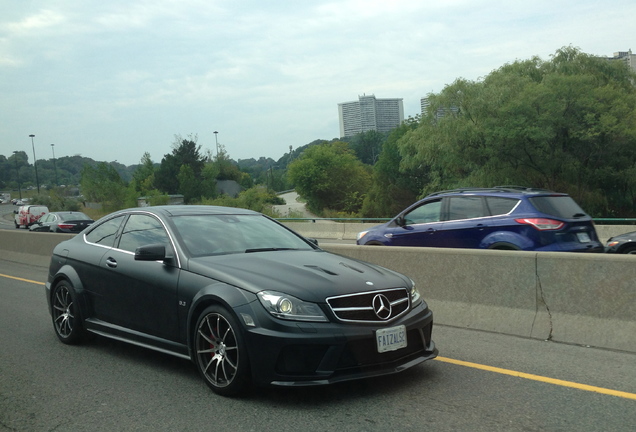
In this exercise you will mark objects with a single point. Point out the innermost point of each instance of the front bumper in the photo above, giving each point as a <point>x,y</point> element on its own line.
<point>287,353</point>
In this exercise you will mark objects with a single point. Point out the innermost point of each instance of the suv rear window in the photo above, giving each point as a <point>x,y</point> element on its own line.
<point>558,206</point>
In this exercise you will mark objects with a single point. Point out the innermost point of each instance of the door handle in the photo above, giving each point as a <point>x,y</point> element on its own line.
<point>111,262</point>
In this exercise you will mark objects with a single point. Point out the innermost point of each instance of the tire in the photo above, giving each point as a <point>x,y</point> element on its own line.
<point>64,312</point>
<point>629,250</point>
<point>220,352</point>
<point>504,246</point>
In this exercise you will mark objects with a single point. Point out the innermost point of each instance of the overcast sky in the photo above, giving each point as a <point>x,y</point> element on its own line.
<point>111,80</point>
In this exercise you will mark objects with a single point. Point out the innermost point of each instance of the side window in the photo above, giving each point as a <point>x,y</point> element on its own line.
<point>467,207</point>
<point>141,230</point>
<point>104,233</point>
<point>501,206</point>
<point>428,212</point>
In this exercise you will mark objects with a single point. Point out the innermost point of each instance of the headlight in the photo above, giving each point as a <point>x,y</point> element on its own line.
<point>288,307</point>
<point>361,234</point>
<point>415,294</point>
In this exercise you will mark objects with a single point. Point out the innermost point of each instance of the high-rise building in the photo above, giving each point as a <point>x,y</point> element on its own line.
<point>627,57</point>
<point>424,104</point>
<point>369,113</point>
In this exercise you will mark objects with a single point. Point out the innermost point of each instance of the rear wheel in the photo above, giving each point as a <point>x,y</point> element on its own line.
<point>68,327</point>
<point>220,352</point>
<point>504,246</point>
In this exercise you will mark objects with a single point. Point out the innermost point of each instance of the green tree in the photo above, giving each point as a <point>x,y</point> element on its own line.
<point>184,152</point>
<point>329,176</point>
<point>393,188</point>
<point>188,184</point>
<point>102,184</point>
<point>367,146</point>
<point>568,124</point>
<point>144,176</point>
<point>256,198</point>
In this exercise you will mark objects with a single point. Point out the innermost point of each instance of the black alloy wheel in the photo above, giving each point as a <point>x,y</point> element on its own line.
<point>220,352</point>
<point>66,323</point>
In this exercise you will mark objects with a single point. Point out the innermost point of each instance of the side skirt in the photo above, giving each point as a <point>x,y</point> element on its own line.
<point>144,340</point>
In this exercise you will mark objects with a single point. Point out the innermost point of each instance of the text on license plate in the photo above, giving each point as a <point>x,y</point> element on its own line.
<point>391,339</point>
<point>583,237</point>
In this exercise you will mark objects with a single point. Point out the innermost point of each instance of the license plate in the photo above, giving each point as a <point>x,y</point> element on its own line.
<point>583,237</point>
<point>391,339</point>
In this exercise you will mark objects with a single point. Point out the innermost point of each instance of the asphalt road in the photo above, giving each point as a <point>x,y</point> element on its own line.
<point>108,386</point>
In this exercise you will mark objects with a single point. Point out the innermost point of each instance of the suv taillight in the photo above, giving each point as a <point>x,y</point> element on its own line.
<point>541,224</point>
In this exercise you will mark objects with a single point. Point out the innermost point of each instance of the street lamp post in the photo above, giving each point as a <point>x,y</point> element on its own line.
<point>217,143</point>
<point>17,171</point>
<point>54,167</point>
<point>35,164</point>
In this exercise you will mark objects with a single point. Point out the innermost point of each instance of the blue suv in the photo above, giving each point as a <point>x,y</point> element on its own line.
<point>506,217</point>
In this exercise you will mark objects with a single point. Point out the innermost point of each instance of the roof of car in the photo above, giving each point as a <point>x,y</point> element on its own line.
<point>517,190</point>
<point>182,210</point>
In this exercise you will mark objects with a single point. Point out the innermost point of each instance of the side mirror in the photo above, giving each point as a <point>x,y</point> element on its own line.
<point>151,252</point>
<point>400,221</point>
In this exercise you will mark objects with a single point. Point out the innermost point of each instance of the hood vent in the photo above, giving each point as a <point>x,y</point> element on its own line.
<point>329,272</point>
<point>352,268</point>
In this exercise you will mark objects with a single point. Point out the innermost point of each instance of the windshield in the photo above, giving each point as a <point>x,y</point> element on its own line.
<point>203,235</point>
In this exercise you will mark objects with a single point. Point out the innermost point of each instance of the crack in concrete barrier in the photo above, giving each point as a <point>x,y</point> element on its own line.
<point>542,298</point>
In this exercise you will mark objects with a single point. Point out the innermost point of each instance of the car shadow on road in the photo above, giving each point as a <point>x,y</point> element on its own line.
<point>132,356</point>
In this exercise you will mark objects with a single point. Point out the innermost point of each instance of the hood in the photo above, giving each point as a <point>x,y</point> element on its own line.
<point>624,236</point>
<point>307,275</point>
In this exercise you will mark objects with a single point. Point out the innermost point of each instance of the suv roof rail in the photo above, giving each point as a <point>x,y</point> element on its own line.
<point>490,189</point>
<point>522,188</point>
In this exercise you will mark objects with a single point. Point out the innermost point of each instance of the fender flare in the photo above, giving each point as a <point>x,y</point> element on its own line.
<point>68,273</point>
<point>507,239</point>
<point>227,296</point>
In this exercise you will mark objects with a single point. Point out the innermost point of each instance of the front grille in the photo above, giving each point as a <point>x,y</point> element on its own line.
<point>372,307</point>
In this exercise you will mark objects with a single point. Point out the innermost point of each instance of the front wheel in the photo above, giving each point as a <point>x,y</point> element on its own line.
<point>220,352</point>
<point>68,327</point>
<point>630,250</point>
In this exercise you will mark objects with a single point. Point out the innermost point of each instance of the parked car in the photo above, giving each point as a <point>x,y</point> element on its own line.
<point>509,218</point>
<point>241,295</point>
<point>27,215</point>
<point>622,244</point>
<point>62,222</point>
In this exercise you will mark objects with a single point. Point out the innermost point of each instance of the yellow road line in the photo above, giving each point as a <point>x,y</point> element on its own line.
<point>540,378</point>
<point>21,279</point>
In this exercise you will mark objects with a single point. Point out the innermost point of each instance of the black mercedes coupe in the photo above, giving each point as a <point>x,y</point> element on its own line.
<point>248,300</point>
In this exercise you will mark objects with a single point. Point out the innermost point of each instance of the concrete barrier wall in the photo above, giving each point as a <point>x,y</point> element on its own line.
<point>587,299</point>
<point>348,231</point>
<point>30,248</point>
